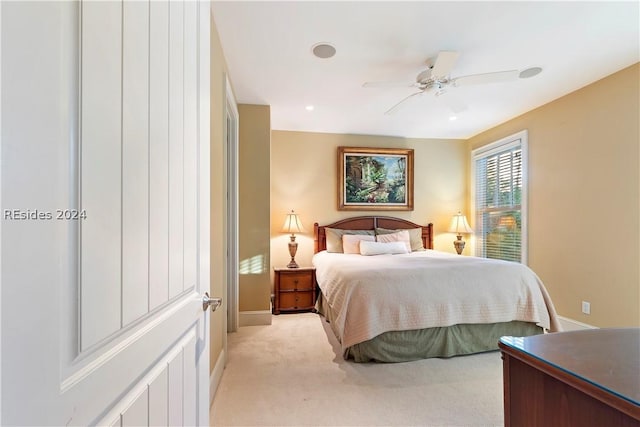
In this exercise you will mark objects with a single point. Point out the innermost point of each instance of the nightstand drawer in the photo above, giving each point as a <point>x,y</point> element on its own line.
<point>296,300</point>
<point>296,281</point>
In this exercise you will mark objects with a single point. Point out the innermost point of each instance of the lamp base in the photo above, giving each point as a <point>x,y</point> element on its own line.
<point>459,244</point>
<point>293,248</point>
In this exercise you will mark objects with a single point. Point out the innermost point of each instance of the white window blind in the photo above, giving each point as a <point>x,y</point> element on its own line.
<point>500,198</point>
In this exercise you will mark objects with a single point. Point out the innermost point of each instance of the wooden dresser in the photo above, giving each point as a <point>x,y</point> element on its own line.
<point>578,378</point>
<point>294,289</point>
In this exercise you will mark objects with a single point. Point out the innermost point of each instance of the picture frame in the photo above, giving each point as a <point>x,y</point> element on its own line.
<point>375,179</point>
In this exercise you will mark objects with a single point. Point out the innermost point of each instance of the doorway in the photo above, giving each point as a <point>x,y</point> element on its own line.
<point>231,147</point>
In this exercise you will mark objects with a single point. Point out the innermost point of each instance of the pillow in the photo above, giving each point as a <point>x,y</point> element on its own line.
<point>334,237</point>
<point>381,248</point>
<point>415,235</point>
<point>351,242</point>
<point>398,236</point>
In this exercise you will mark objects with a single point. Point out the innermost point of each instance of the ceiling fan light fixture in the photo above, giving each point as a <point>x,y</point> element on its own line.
<point>323,50</point>
<point>530,72</point>
<point>441,91</point>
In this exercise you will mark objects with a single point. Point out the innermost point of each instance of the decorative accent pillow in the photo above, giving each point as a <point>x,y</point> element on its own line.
<point>351,242</point>
<point>382,248</point>
<point>415,237</point>
<point>398,236</point>
<point>334,237</point>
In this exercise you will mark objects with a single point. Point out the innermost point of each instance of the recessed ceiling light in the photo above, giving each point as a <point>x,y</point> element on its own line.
<point>309,108</point>
<point>530,72</point>
<point>452,118</point>
<point>323,50</point>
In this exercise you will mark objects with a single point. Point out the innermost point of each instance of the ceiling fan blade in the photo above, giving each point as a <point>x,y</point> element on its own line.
<point>399,104</point>
<point>477,79</point>
<point>444,63</point>
<point>388,84</point>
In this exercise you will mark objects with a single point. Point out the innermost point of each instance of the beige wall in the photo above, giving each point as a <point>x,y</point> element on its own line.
<point>218,193</point>
<point>253,158</point>
<point>304,177</point>
<point>584,197</point>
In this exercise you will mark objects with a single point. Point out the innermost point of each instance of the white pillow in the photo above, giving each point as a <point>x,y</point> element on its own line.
<point>415,235</point>
<point>399,236</point>
<point>381,248</point>
<point>351,242</point>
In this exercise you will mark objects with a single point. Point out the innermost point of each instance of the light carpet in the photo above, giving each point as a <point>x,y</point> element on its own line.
<point>292,373</point>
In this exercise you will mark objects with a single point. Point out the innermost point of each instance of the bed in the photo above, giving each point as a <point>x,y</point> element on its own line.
<point>424,303</point>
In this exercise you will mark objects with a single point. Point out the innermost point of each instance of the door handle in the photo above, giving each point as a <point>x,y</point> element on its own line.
<point>207,302</point>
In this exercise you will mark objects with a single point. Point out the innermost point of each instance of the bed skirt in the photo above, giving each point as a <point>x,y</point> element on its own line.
<point>405,346</point>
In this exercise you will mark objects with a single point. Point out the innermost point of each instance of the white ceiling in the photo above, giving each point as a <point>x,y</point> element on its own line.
<point>267,46</point>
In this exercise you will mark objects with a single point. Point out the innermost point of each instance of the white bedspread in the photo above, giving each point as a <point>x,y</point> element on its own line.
<point>376,294</point>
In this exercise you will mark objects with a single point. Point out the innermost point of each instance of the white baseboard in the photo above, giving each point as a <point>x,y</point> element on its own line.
<point>255,318</point>
<point>216,376</point>
<point>573,325</point>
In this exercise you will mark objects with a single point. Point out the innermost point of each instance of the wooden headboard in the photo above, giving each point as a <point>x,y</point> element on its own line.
<point>369,223</point>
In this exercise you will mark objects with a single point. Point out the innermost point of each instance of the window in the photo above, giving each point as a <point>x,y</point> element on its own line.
<point>500,194</point>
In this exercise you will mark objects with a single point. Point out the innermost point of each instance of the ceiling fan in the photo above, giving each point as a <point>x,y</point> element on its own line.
<point>436,79</point>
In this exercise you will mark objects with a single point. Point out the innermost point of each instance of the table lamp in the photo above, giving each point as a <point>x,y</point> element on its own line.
<point>293,225</point>
<point>459,225</point>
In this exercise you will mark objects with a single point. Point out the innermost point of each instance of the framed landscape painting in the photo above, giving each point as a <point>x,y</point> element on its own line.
<point>375,179</point>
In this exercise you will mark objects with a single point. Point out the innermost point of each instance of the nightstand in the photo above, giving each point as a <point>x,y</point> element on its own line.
<point>294,289</point>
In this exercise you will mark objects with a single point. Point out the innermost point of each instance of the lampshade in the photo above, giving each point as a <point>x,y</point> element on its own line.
<point>292,224</point>
<point>459,224</point>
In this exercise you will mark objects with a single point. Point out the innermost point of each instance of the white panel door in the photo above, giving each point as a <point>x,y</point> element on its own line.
<point>105,213</point>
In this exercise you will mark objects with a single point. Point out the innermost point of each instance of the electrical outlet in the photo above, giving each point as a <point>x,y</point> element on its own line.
<point>586,307</point>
